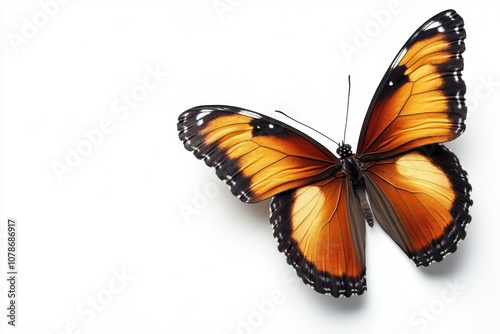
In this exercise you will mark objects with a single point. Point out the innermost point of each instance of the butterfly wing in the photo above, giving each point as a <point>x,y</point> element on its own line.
<point>317,219</point>
<point>421,199</point>
<point>321,229</point>
<point>420,99</point>
<point>418,191</point>
<point>257,156</point>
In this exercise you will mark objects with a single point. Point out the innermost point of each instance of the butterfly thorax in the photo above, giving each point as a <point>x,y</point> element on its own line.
<point>351,168</point>
<point>350,165</point>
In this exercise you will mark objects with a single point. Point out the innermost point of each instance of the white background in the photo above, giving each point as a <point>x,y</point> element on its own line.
<point>104,246</point>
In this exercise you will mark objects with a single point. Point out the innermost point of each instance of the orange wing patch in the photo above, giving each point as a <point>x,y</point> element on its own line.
<point>255,155</point>
<point>420,101</point>
<point>426,52</point>
<point>321,230</point>
<point>421,199</point>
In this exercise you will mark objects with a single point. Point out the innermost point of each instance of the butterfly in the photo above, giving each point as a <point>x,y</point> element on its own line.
<point>401,176</point>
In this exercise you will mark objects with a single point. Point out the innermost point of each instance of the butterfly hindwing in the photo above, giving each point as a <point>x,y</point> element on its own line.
<point>321,229</point>
<point>257,156</point>
<point>421,199</point>
<point>420,100</point>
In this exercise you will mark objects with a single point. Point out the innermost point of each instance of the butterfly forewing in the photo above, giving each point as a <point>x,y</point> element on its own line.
<point>257,156</point>
<point>420,100</point>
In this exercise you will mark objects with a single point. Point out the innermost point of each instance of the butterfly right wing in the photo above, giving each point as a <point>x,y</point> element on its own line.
<point>418,191</point>
<point>321,229</point>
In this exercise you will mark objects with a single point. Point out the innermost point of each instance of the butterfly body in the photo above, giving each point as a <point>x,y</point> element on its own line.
<point>352,169</point>
<point>401,176</point>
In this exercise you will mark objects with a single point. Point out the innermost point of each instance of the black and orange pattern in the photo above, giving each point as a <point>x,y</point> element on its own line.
<point>257,156</point>
<point>421,199</point>
<point>420,100</point>
<point>321,229</point>
<point>402,174</point>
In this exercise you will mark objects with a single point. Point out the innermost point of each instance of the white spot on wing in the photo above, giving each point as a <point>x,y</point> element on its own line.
<point>433,25</point>
<point>459,128</point>
<point>250,114</point>
<point>202,114</point>
<point>458,97</point>
<point>399,57</point>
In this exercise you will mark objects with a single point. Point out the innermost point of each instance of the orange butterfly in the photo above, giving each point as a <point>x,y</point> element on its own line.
<point>402,175</point>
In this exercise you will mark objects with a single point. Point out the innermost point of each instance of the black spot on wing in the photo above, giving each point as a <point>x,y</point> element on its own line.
<point>266,128</point>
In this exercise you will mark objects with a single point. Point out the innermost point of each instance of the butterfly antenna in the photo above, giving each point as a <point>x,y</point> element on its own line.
<point>307,126</point>
<point>347,112</point>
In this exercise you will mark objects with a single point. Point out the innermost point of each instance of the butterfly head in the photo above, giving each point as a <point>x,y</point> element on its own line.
<point>344,150</point>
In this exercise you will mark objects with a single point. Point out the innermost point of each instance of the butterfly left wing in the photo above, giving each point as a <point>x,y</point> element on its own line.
<point>321,229</point>
<point>257,156</point>
<point>420,99</point>
<point>316,216</point>
<point>421,199</point>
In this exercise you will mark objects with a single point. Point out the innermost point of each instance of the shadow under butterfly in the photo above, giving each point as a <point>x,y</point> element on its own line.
<point>401,175</point>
